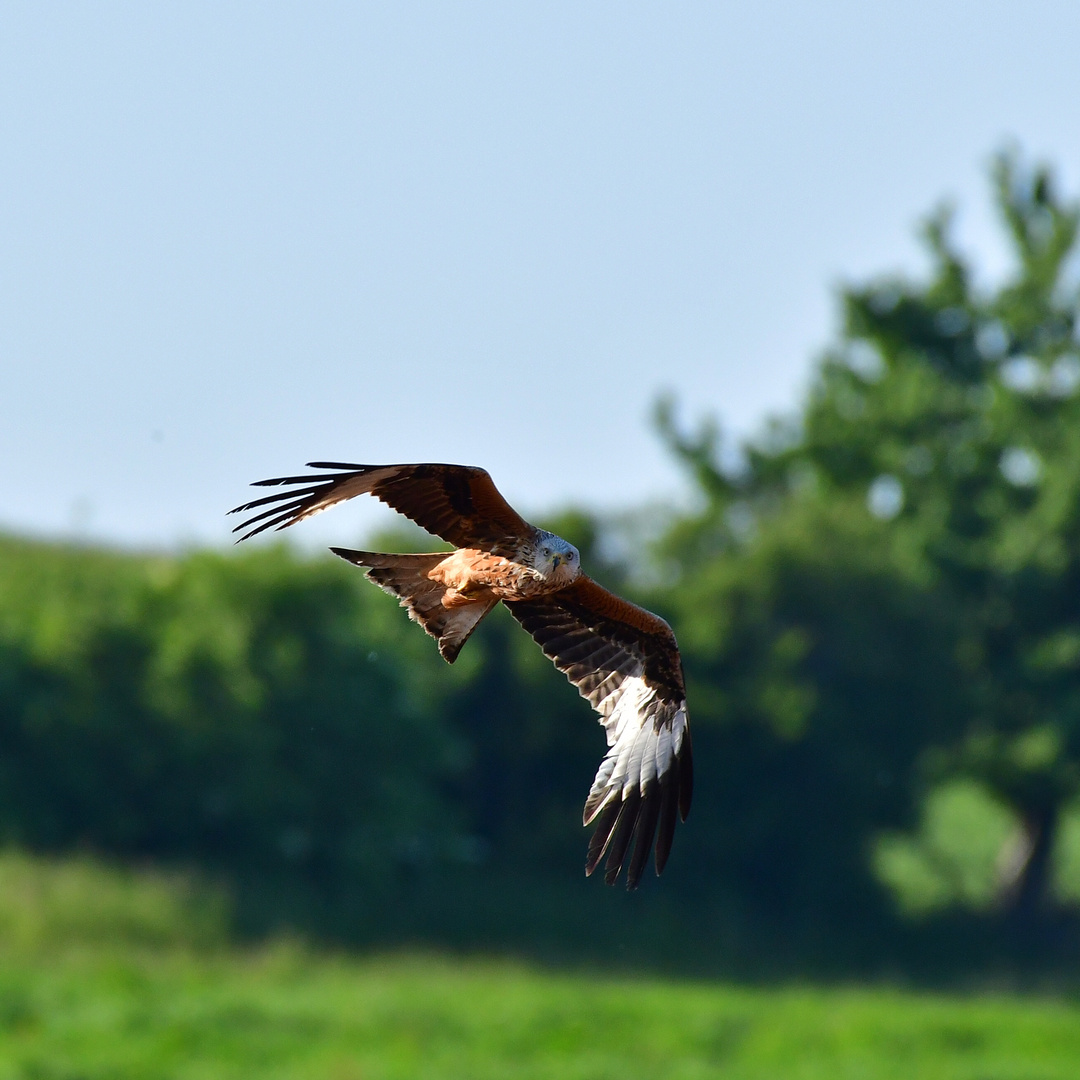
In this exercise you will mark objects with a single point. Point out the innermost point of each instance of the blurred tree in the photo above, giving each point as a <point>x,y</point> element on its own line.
<point>260,712</point>
<point>948,414</point>
<point>818,674</point>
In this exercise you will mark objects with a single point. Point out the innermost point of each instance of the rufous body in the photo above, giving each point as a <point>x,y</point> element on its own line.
<point>471,576</point>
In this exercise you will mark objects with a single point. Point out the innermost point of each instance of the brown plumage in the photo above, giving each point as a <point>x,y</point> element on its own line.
<point>623,660</point>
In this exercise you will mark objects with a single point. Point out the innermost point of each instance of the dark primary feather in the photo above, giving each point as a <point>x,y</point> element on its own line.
<point>456,502</point>
<point>620,836</point>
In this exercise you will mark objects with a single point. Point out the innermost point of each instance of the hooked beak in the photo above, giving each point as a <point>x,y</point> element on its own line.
<point>555,561</point>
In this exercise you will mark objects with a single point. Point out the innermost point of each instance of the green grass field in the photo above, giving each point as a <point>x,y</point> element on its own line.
<point>107,974</point>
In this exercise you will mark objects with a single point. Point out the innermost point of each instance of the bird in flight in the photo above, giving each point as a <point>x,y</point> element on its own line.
<point>623,659</point>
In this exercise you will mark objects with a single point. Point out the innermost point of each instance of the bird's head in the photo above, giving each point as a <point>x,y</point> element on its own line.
<point>558,559</point>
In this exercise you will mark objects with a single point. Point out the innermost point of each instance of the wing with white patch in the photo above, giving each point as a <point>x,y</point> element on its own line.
<point>625,662</point>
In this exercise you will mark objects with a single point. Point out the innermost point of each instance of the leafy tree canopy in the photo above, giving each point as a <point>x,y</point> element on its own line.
<point>946,418</point>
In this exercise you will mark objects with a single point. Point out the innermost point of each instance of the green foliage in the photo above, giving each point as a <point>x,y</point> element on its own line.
<point>943,429</point>
<point>952,857</point>
<point>963,843</point>
<point>255,712</point>
<point>51,905</point>
<point>817,684</point>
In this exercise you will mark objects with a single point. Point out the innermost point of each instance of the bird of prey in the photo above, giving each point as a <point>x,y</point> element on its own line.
<point>623,659</point>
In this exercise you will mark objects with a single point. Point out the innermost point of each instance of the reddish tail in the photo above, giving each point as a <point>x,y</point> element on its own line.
<point>406,577</point>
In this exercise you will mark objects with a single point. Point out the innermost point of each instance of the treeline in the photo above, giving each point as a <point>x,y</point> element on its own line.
<point>879,611</point>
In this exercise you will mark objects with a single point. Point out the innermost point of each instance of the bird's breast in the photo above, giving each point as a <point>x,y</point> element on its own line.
<point>470,572</point>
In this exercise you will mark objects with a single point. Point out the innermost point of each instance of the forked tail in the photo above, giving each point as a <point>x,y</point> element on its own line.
<point>406,577</point>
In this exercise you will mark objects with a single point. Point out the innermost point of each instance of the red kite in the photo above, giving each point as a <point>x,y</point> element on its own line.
<point>623,659</point>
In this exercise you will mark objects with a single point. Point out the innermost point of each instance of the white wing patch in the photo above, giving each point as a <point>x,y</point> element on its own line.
<point>639,754</point>
<point>628,670</point>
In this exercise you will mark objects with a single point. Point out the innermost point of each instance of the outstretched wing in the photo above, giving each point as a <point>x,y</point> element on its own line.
<point>625,662</point>
<point>457,502</point>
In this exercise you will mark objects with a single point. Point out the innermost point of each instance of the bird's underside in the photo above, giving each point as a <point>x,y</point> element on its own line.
<point>623,659</point>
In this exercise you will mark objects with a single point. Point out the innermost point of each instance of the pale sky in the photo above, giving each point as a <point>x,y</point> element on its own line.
<point>238,237</point>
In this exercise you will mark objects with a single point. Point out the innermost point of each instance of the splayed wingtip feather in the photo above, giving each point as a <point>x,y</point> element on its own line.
<point>601,837</point>
<point>621,835</point>
<point>643,833</point>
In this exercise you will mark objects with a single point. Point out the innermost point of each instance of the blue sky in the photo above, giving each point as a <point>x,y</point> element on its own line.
<point>234,238</point>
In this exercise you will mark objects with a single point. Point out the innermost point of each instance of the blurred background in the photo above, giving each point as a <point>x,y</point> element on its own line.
<point>772,311</point>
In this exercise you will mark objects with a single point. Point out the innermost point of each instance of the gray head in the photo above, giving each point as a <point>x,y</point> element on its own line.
<point>556,557</point>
